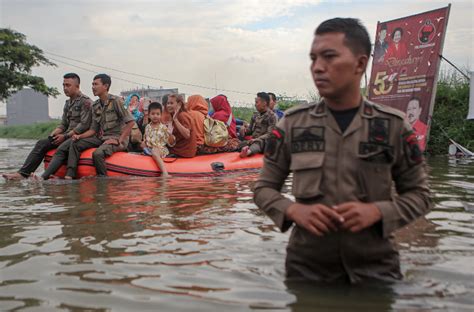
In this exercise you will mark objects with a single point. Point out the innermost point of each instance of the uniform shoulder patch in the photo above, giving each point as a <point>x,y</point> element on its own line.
<point>299,108</point>
<point>87,103</point>
<point>412,149</point>
<point>85,96</point>
<point>96,105</point>
<point>273,144</point>
<point>387,109</point>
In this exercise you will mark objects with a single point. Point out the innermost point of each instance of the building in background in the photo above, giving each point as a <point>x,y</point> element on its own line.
<point>27,106</point>
<point>153,94</point>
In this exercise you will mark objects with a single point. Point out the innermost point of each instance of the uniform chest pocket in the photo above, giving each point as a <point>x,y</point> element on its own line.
<point>307,171</point>
<point>110,116</point>
<point>375,176</point>
<point>76,112</point>
<point>111,119</point>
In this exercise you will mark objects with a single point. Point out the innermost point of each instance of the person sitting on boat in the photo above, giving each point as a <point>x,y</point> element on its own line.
<point>261,126</point>
<point>110,129</point>
<point>197,108</point>
<point>144,104</point>
<point>273,101</point>
<point>156,137</point>
<point>222,111</point>
<point>76,119</point>
<point>133,105</point>
<point>182,126</point>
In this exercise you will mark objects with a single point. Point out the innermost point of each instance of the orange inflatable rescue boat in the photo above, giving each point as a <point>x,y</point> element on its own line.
<point>130,164</point>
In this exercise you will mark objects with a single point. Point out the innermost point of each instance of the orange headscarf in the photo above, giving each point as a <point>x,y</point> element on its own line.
<point>197,107</point>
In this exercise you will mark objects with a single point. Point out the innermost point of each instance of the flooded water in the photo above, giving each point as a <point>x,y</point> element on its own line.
<point>202,245</point>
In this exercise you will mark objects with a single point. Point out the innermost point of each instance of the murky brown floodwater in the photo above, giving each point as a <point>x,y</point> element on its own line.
<point>202,245</point>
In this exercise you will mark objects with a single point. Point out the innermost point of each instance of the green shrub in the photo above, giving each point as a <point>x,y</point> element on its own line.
<point>244,113</point>
<point>286,104</point>
<point>449,116</point>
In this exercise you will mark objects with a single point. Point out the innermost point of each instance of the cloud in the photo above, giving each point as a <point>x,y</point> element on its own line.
<point>243,59</point>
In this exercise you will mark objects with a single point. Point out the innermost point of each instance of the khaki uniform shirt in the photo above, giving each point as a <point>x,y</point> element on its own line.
<point>377,150</point>
<point>77,114</point>
<point>261,124</point>
<point>109,118</point>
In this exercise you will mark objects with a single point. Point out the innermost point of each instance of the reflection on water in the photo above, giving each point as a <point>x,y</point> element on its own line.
<point>202,245</point>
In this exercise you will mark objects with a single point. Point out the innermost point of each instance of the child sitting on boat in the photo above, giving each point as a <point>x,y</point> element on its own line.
<point>157,135</point>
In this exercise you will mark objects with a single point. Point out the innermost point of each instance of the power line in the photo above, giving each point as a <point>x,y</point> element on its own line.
<point>95,72</point>
<point>147,77</point>
<point>118,78</point>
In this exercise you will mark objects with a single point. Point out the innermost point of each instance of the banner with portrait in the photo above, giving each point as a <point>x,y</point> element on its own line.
<point>405,66</point>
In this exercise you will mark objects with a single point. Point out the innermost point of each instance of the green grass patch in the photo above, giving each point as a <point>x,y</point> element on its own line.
<point>34,131</point>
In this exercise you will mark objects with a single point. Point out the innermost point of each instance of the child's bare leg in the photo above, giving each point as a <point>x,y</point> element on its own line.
<point>156,155</point>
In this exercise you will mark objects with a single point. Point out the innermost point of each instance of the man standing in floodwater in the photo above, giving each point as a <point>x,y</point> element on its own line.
<point>345,154</point>
<point>76,119</point>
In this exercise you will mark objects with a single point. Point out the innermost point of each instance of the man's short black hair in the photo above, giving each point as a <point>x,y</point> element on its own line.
<point>272,95</point>
<point>264,96</point>
<point>356,36</point>
<point>383,26</point>
<point>155,105</point>
<point>397,29</point>
<point>73,76</point>
<point>105,79</point>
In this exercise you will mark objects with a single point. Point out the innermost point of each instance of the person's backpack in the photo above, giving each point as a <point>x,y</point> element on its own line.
<point>215,132</point>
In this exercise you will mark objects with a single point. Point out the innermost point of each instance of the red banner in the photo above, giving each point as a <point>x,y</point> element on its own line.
<point>405,66</point>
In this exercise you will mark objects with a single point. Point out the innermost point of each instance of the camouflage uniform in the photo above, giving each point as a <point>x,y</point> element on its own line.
<point>76,117</point>
<point>377,150</point>
<point>107,121</point>
<point>260,128</point>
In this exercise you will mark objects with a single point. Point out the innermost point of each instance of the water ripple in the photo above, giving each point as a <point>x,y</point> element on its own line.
<point>202,245</point>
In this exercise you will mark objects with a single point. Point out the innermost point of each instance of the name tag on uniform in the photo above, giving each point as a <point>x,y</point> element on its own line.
<point>307,139</point>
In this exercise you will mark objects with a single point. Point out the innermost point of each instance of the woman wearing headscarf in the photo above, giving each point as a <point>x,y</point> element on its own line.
<point>132,104</point>
<point>182,127</point>
<point>197,107</point>
<point>223,112</point>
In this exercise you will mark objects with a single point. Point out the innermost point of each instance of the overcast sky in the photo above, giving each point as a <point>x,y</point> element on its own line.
<point>246,46</point>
